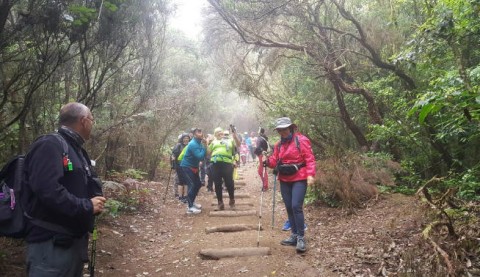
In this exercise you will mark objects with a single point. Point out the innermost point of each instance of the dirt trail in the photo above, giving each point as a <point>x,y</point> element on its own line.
<point>165,241</point>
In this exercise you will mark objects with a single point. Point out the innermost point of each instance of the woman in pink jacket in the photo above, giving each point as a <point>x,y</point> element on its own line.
<point>294,162</point>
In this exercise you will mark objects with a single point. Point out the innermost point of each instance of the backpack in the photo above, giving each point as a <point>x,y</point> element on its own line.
<point>182,154</point>
<point>13,218</point>
<point>269,146</point>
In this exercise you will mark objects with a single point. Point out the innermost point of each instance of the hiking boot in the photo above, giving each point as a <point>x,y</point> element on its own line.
<point>291,241</point>
<point>198,206</point>
<point>232,203</point>
<point>193,210</point>
<point>220,207</point>
<point>301,246</point>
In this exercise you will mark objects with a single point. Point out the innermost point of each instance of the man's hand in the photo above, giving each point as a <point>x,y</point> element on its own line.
<point>98,203</point>
<point>310,180</point>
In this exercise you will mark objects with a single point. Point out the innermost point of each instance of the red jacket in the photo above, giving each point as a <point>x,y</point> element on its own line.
<point>289,153</point>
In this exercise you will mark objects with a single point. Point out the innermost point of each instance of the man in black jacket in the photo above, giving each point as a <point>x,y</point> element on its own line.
<point>261,147</point>
<point>64,195</point>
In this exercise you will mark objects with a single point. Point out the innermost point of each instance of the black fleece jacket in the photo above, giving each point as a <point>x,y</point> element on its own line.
<point>56,194</point>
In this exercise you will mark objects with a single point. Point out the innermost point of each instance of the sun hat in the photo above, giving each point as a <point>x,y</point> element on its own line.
<point>284,122</point>
<point>218,129</point>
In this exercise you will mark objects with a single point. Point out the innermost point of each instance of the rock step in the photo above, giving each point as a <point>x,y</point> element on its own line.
<point>237,195</point>
<point>232,213</point>
<point>232,228</point>
<point>216,254</point>
<point>236,203</point>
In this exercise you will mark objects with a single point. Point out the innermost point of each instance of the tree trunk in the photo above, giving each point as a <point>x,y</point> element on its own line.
<point>356,131</point>
<point>5,7</point>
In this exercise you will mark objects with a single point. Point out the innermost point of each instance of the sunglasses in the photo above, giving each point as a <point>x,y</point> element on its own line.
<point>281,129</point>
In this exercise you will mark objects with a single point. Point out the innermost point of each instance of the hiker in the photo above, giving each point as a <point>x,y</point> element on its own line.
<point>262,146</point>
<point>180,183</point>
<point>194,154</point>
<point>208,167</point>
<point>244,152</point>
<point>294,161</point>
<point>222,151</point>
<point>253,145</point>
<point>203,171</point>
<point>248,142</point>
<point>63,195</point>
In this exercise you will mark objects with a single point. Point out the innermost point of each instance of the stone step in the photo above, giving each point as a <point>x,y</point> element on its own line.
<point>237,195</point>
<point>232,213</point>
<point>232,228</point>
<point>236,203</point>
<point>216,254</point>
<point>240,183</point>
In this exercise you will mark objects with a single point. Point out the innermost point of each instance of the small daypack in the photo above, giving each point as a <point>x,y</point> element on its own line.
<point>13,218</point>
<point>182,154</point>
<point>12,221</point>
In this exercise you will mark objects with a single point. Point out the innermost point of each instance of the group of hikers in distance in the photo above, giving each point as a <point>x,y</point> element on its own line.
<point>196,156</point>
<point>61,194</point>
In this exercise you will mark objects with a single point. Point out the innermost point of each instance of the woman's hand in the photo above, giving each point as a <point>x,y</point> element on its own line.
<point>310,180</point>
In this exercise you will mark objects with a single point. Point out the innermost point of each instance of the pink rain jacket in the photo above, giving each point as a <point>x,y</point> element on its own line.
<point>289,153</point>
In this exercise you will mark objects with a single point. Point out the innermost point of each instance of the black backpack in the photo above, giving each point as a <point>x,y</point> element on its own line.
<point>13,218</point>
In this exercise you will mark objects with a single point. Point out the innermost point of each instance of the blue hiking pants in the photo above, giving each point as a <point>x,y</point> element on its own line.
<point>293,194</point>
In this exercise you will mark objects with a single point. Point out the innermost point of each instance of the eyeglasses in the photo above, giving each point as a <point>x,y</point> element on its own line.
<point>91,119</point>
<point>281,129</point>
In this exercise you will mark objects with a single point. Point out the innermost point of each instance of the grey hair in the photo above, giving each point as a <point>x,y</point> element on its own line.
<point>71,113</point>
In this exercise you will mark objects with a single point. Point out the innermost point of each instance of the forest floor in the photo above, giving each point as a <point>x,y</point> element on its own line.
<point>162,240</point>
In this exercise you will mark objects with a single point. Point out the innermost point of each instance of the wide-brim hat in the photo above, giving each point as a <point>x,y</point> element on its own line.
<point>284,122</point>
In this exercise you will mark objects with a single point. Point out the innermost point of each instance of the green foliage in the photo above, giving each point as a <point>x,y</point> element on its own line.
<point>110,6</point>
<point>113,207</point>
<point>397,189</point>
<point>412,178</point>
<point>135,174</point>
<point>315,195</point>
<point>467,183</point>
<point>127,201</point>
<point>82,15</point>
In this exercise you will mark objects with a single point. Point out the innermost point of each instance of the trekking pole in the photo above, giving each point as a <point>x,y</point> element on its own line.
<point>93,253</point>
<point>274,193</point>
<point>168,184</point>
<point>260,215</point>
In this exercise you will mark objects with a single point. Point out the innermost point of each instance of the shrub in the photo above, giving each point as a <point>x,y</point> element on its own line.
<point>351,180</point>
